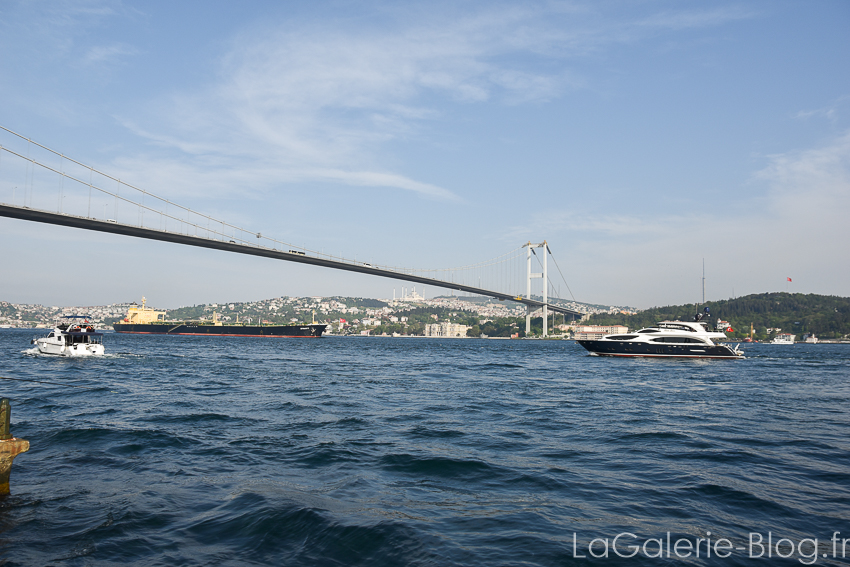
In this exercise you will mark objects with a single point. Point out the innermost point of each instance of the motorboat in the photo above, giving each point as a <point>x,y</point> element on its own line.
<point>667,339</point>
<point>783,339</point>
<point>72,339</point>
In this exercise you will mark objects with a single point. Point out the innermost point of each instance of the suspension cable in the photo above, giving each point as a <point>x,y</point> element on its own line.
<point>187,222</point>
<point>560,272</point>
<point>552,285</point>
<point>501,265</point>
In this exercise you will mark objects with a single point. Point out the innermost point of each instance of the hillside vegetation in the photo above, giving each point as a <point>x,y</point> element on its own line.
<point>827,316</point>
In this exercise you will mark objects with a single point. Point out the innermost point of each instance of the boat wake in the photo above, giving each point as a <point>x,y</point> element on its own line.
<point>34,352</point>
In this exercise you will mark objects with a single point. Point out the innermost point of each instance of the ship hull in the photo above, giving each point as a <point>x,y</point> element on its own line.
<point>271,331</point>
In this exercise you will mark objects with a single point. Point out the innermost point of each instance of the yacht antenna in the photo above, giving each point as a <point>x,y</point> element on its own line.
<point>703,281</point>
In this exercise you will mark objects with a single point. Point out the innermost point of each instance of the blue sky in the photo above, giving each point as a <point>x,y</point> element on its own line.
<point>637,138</point>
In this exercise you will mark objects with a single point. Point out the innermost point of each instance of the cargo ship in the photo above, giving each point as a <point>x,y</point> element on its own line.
<point>148,321</point>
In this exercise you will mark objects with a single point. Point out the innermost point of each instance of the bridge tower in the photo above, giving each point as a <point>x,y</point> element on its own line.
<point>530,276</point>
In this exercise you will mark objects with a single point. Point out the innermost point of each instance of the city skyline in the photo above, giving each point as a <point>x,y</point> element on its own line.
<point>636,139</point>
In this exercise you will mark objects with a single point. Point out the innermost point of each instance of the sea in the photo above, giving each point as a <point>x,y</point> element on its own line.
<point>346,451</point>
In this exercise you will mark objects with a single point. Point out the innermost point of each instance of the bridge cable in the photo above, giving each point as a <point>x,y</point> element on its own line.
<point>501,263</point>
<point>560,272</point>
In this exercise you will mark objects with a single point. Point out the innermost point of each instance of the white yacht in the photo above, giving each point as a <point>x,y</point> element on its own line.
<point>783,339</point>
<point>72,339</point>
<point>667,339</point>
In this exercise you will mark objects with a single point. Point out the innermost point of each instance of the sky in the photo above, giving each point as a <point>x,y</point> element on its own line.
<point>639,139</point>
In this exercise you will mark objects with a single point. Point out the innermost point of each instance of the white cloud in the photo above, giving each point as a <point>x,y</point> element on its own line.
<point>695,19</point>
<point>107,53</point>
<point>831,112</point>
<point>797,229</point>
<point>811,188</point>
<point>323,101</point>
<point>177,179</point>
<point>319,103</point>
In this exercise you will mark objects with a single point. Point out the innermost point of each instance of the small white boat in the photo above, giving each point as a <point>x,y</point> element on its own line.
<point>783,339</point>
<point>72,339</point>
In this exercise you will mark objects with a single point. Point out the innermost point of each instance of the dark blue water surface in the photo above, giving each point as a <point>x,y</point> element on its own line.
<point>349,451</point>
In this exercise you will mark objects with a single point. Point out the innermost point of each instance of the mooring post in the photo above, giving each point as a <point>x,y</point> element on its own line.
<point>9,446</point>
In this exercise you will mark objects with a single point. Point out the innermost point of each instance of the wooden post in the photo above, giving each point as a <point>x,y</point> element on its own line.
<point>9,446</point>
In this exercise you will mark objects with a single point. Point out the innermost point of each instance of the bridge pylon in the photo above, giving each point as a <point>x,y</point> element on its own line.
<point>532,275</point>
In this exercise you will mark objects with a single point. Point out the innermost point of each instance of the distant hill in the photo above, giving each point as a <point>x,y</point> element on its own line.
<point>827,316</point>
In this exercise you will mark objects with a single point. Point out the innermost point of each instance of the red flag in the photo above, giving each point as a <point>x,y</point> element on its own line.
<point>730,330</point>
<point>789,279</point>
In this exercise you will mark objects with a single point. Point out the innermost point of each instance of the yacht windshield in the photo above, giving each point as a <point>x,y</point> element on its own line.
<point>676,327</point>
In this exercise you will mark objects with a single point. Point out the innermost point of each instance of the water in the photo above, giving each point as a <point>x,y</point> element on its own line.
<point>347,451</point>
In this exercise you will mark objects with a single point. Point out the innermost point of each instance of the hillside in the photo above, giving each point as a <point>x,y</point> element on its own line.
<point>825,315</point>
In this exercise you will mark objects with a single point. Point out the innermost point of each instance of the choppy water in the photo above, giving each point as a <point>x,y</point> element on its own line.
<point>346,451</point>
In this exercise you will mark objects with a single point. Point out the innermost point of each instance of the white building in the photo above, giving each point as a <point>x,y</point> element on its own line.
<point>413,296</point>
<point>596,332</point>
<point>445,329</point>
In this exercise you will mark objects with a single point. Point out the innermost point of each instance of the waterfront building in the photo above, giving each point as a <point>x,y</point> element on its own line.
<point>446,329</point>
<point>596,332</point>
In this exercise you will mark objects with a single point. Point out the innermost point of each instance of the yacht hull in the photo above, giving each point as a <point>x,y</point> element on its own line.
<point>80,349</point>
<point>641,349</point>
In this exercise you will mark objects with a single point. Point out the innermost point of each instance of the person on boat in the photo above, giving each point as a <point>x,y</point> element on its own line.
<point>698,317</point>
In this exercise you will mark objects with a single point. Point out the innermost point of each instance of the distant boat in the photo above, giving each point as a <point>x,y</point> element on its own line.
<point>783,339</point>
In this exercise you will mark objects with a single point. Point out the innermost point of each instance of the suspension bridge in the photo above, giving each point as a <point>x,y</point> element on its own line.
<point>42,185</point>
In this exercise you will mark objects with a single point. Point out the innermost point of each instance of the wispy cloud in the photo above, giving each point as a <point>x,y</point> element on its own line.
<point>107,53</point>
<point>812,187</point>
<point>62,25</point>
<point>798,228</point>
<point>830,112</point>
<point>324,100</point>
<point>688,19</point>
<point>806,190</point>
